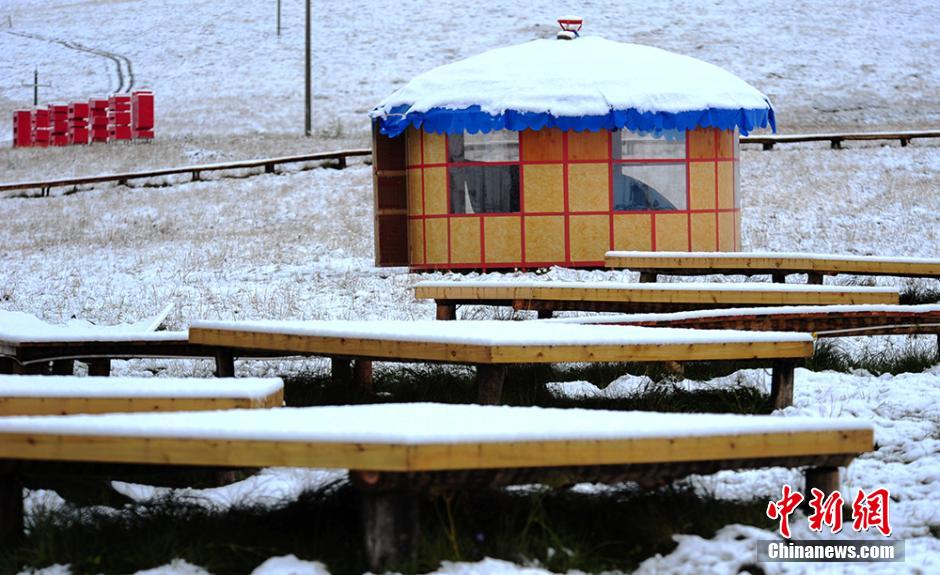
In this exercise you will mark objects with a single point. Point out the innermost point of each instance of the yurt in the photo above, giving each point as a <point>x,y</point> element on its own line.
<point>555,151</point>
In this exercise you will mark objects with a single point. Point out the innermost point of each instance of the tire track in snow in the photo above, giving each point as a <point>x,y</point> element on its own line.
<point>124,68</point>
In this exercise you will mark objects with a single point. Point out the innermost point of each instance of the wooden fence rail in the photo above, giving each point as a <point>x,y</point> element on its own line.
<point>767,142</point>
<point>267,163</point>
<point>835,139</point>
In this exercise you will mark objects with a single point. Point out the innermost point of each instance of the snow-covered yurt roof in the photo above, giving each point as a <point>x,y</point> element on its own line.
<point>589,83</point>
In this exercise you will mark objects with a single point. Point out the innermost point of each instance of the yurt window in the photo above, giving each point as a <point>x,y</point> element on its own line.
<point>645,178</point>
<point>483,171</point>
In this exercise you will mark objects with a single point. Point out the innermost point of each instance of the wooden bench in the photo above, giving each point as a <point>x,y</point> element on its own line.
<point>549,296</point>
<point>835,139</point>
<point>491,346</point>
<point>778,265</point>
<point>395,450</point>
<point>821,321</point>
<point>30,346</point>
<point>65,395</point>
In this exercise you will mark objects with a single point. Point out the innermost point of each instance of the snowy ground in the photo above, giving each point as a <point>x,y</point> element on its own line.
<point>222,68</point>
<point>299,245</point>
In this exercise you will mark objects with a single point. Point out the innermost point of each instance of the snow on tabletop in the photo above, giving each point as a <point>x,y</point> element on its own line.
<point>421,423</point>
<point>500,333</point>
<point>685,286</point>
<point>587,77</point>
<point>761,311</point>
<point>773,255</point>
<point>151,387</point>
<point>20,327</point>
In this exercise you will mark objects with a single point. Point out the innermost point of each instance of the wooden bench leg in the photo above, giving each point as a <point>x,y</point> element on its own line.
<point>63,367</point>
<point>362,373</point>
<point>341,371</point>
<point>814,278</point>
<point>779,278</point>
<point>446,311</point>
<point>545,313</point>
<point>37,368</point>
<point>781,384</point>
<point>490,383</point>
<point>825,479</point>
<point>99,367</point>
<point>389,527</point>
<point>11,510</point>
<point>767,146</point>
<point>648,277</point>
<point>224,363</point>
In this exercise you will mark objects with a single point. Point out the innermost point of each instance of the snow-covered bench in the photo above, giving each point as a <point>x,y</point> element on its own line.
<point>393,450</point>
<point>550,296</point>
<point>29,345</point>
<point>821,321</point>
<point>64,395</point>
<point>778,265</point>
<point>493,345</point>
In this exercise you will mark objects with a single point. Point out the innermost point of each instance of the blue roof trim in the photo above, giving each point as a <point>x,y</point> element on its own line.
<point>473,119</point>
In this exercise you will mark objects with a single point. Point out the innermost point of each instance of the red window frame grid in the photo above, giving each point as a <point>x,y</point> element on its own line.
<point>565,161</point>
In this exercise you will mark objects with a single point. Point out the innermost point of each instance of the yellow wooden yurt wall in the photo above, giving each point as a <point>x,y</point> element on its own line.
<point>573,197</point>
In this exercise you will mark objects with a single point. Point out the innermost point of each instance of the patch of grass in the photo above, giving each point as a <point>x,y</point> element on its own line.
<point>525,385</point>
<point>894,361</point>
<point>907,359</point>
<point>828,356</point>
<point>561,530</point>
<point>919,293</point>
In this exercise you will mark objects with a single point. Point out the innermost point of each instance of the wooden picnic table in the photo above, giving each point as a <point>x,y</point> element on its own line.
<point>549,296</point>
<point>821,321</point>
<point>491,346</point>
<point>64,395</point>
<point>394,450</point>
<point>778,265</point>
<point>33,356</point>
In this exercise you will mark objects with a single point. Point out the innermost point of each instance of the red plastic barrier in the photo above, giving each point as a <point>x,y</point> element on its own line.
<point>22,129</point>
<point>78,123</point>
<point>79,110</point>
<point>142,108</point>
<point>98,108</point>
<point>119,117</point>
<point>59,120</point>
<point>42,130</point>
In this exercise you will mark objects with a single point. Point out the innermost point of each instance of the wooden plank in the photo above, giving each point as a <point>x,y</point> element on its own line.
<point>756,294</point>
<point>490,380</point>
<point>224,363</point>
<point>220,451</point>
<point>781,384</point>
<point>99,367</point>
<point>32,352</point>
<point>702,264</point>
<point>244,164</point>
<point>71,405</point>
<point>820,323</point>
<point>388,349</point>
<point>825,479</point>
<point>901,135</point>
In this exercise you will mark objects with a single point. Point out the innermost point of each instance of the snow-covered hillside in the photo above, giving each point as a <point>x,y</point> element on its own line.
<point>219,67</point>
<point>298,245</point>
